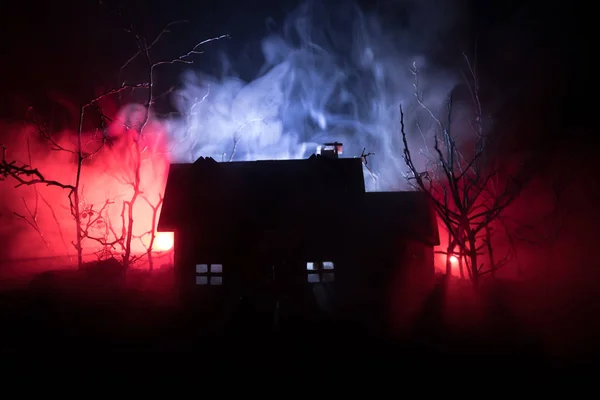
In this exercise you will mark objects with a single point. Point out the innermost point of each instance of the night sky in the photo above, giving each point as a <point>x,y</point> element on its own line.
<point>533,55</point>
<point>73,46</point>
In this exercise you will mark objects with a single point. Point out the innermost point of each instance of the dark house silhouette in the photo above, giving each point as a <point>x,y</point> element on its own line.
<point>285,228</point>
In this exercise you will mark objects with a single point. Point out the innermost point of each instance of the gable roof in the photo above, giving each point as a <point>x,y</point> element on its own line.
<point>211,191</point>
<point>190,186</point>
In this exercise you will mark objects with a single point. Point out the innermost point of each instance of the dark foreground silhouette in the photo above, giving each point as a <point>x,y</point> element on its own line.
<point>106,311</point>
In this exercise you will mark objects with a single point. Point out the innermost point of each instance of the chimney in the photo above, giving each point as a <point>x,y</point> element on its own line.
<point>330,150</point>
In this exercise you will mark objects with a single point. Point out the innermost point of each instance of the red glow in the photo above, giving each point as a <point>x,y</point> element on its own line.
<point>106,185</point>
<point>454,259</point>
<point>163,241</point>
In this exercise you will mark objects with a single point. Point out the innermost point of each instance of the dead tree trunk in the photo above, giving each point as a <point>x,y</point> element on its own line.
<point>490,250</point>
<point>473,257</point>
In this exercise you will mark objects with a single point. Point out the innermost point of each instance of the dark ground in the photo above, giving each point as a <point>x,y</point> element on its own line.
<point>124,318</point>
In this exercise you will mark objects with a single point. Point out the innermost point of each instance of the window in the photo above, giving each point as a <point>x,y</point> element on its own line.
<point>320,272</point>
<point>209,274</point>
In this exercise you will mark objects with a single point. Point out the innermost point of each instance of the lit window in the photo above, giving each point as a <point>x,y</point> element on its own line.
<point>201,280</point>
<point>319,272</point>
<point>209,274</point>
<point>202,268</point>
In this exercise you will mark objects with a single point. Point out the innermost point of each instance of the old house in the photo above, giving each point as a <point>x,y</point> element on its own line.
<point>289,227</point>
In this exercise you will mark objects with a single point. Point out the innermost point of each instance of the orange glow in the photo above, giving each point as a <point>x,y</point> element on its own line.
<point>163,241</point>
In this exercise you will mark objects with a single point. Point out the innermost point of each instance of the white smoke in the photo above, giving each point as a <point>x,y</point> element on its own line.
<point>331,73</point>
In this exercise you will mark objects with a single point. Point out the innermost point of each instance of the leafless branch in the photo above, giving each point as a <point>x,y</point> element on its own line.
<point>165,30</point>
<point>465,189</point>
<point>237,135</point>
<point>26,175</point>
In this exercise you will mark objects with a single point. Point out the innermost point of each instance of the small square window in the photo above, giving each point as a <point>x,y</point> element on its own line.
<point>209,274</point>
<point>319,272</point>
<point>201,268</point>
<point>201,280</point>
<point>327,277</point>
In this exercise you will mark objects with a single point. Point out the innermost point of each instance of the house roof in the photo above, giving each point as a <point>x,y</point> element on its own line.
<point>284,190</point>
<point>258,183</point>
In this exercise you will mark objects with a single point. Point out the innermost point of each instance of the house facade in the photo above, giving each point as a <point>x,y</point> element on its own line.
<point>289,230</point>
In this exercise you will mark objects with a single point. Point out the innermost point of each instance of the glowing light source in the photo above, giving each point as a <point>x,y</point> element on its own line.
<point>454,259</point>
<point>163,241</point>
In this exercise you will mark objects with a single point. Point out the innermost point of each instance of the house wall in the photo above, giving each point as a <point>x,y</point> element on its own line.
<point>379,285</point>
<point>263,221</point>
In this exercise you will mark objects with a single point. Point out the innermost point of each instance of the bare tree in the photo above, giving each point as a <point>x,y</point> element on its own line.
<point>137,149</point>
<point>468,183</point>
<point>32,211</point>
<point>85,147</point>
<point>87,219</point>
<point>152,231</point>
